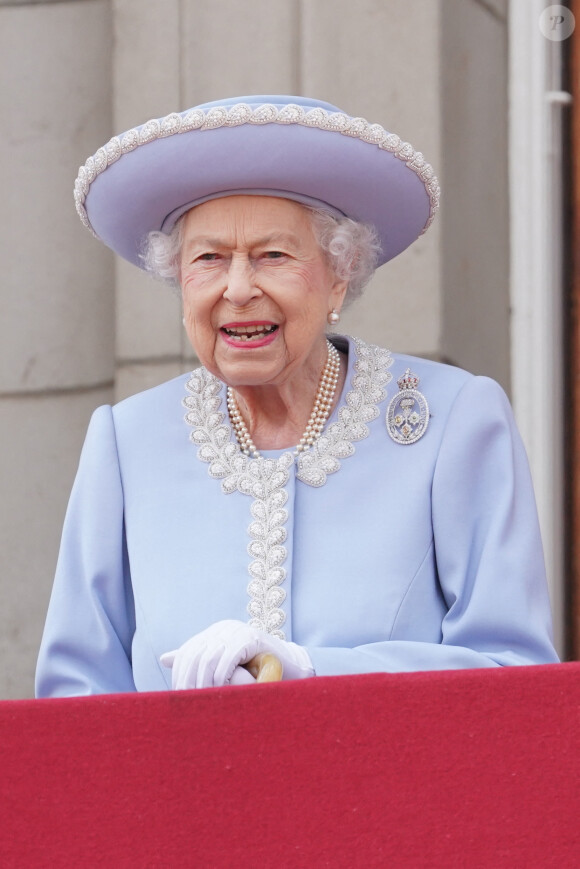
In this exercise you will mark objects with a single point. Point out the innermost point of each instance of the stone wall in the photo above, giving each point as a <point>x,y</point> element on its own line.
<point>57,316</point>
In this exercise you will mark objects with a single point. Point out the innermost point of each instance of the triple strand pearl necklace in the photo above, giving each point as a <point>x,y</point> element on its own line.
<point>320,411</point>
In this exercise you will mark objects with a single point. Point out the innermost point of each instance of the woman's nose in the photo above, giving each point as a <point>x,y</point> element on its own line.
<point>241,287</point>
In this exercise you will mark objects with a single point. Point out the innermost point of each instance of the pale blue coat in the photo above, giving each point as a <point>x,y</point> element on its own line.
<point>374,555</point>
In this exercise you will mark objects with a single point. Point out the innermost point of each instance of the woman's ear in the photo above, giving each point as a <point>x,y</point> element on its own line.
<point>338,293</point>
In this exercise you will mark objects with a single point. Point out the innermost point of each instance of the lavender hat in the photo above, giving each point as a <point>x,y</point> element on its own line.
<point>293,147</point>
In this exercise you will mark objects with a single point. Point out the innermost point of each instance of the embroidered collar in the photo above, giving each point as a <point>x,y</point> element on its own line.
<point>213,434</point>
<point>264,478</point>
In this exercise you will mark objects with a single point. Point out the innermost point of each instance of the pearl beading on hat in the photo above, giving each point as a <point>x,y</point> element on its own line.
<point>320,410</point>
<point>241,113</point>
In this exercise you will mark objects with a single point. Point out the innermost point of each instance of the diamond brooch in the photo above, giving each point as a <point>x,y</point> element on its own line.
<point>408,411</point>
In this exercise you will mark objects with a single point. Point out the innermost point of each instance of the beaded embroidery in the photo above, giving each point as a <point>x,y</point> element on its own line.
<point>239,114</point>
<point>264,479</point>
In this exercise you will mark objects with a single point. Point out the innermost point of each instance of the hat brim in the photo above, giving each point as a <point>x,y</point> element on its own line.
<point>147,178</point>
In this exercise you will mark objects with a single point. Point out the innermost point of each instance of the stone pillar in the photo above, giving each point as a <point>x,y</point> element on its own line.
<point>359,56</point>
<point>150,346</point>
<point>56,298</point>
<point>475,216</point>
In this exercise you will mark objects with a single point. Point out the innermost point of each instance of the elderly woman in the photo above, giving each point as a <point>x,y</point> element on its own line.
<point>347,509</point>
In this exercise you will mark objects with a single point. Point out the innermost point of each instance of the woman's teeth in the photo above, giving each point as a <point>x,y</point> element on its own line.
<point>250,332</point>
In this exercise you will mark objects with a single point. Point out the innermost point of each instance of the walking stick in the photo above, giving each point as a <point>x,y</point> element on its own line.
<point>265,667</point>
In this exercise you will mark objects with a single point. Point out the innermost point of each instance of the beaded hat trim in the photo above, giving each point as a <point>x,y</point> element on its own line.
<point>239,114</point>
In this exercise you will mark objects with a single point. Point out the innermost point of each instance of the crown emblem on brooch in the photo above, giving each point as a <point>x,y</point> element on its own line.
<point>408,380</point>
<point>408,411</point>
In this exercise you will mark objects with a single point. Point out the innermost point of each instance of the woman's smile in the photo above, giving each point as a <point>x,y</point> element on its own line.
<point>249,335</point>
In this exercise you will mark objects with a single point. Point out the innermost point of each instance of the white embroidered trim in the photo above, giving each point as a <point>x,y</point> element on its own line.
<point>361,407</point>
<point>241,113</point>
<point>264,479</point>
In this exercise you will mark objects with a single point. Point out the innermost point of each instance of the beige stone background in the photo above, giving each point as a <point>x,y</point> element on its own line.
<point>78,329</point>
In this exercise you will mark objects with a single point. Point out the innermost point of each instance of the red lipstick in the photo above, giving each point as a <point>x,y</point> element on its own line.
<point>252,333</point>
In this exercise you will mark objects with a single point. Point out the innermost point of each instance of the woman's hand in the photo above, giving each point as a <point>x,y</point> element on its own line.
<point>209,658</point>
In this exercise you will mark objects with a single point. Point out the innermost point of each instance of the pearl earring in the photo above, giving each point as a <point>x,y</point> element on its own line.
<point>333,317</point>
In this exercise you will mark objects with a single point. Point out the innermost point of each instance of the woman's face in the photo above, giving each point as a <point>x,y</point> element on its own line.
<point>256,290</point>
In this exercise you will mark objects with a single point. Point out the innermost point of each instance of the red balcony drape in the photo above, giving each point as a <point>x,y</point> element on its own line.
<point>450,769</point>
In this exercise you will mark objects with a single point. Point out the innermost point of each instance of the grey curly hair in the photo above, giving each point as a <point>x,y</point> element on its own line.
<point>351,248</point>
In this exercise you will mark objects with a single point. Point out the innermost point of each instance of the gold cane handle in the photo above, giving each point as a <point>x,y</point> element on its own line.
<point>265,667</point>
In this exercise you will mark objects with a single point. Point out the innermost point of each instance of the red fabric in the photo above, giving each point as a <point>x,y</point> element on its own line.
<point>450,769</point>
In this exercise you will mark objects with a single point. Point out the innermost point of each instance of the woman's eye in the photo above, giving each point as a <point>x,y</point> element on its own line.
<point>207,257</point>
<point>273,254</point>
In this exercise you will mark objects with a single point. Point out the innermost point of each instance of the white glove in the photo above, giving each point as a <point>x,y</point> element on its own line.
<point>241,676</point>
<point>209,658</point>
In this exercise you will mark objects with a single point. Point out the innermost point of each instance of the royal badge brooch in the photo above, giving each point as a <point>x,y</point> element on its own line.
<point>408,411</point>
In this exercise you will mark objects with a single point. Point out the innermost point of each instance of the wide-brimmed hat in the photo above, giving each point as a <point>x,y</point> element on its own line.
<point>297,148</point>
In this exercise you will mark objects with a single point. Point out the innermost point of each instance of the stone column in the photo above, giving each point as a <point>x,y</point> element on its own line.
<point>381,60</point>
<point>146,84</point>
<point>475,217</point>
<point>56,298</point>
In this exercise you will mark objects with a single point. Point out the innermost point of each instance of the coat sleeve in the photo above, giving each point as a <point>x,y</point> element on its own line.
<point>86,646</point>
<point>488,552</point>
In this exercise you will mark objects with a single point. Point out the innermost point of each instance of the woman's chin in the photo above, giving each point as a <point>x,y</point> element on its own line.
<point>256,366</point>
<point>247,379</point>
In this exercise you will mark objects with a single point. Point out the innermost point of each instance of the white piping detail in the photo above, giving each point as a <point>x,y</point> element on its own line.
<point>241,113</point>
<point>264,479</point>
